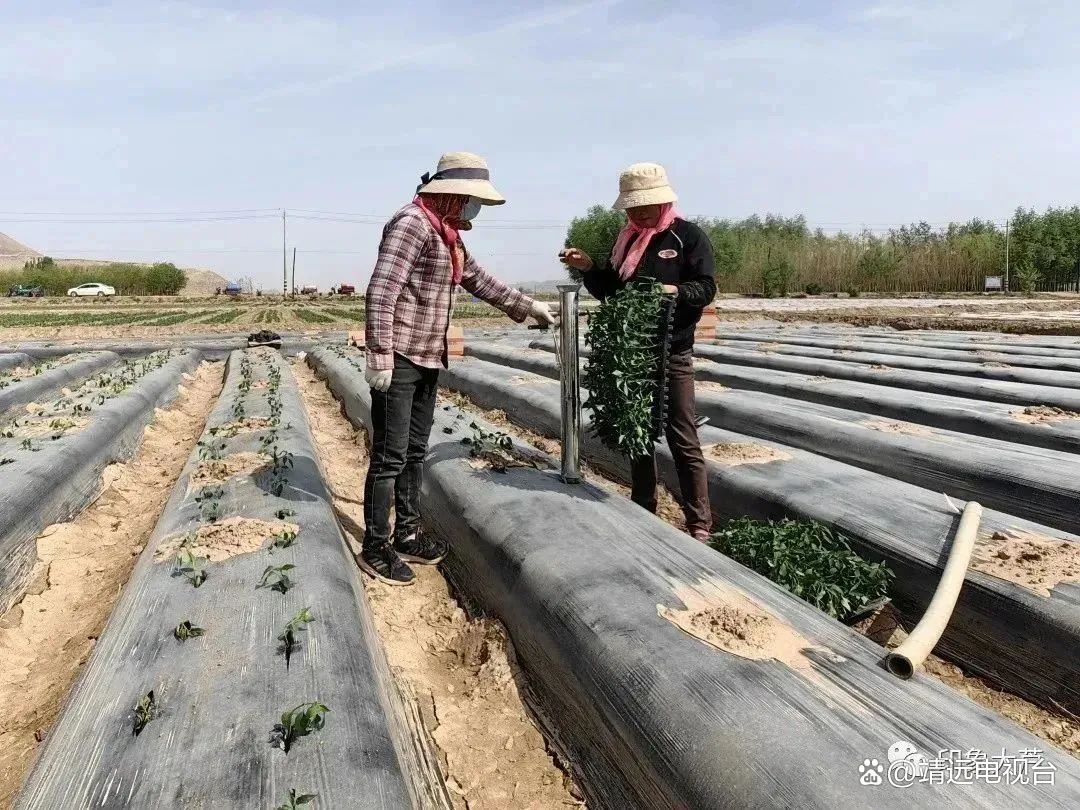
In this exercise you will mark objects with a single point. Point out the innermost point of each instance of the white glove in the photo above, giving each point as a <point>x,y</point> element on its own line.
<point>378,380</point>
<point>541,313</point>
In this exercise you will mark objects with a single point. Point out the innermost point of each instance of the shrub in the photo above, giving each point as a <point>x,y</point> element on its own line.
<point>813,288</point>
<point>777,275</point>
<point>808,559</point>
<point>853,292</point>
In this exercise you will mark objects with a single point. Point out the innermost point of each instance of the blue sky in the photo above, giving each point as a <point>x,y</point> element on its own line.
<point>851,113</point>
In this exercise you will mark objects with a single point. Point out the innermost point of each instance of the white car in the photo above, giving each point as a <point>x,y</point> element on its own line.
<point>91,289</point>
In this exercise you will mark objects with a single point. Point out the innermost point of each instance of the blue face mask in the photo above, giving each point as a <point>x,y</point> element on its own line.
<point>471,209</point>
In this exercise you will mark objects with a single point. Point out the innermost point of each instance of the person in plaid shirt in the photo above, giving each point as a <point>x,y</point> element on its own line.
<point>421,263</point>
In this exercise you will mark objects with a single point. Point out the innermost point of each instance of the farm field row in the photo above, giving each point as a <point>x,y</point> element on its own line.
<point>243,613</point>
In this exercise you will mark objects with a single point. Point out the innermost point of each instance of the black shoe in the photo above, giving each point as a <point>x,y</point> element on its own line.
<point>421,549</point>
<point>383,563</point>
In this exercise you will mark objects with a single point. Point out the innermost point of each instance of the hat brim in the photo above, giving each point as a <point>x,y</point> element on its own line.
<point>480,189</point>
<point>645,196</point>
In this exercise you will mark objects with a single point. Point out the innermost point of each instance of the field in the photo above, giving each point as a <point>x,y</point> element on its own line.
<point>153,316</point>
<point>182,623</point>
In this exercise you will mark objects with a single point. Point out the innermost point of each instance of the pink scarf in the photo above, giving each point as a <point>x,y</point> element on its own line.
<point>447,231</point>
<point>627,262</point>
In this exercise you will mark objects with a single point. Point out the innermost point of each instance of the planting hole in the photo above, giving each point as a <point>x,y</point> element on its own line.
<point>227,538</point>
<point>734,454</point>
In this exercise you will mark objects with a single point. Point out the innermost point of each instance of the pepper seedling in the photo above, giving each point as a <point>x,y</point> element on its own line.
<point>295,801</point>
<point>145,711</point>
<point>190,567</point>
<point>186,630</point>
<point>284,513</point>
<point>6,460</point>
<point>297,624</point>
<point>276,578</point>
<point>285,539</point>
<point>301,721</point>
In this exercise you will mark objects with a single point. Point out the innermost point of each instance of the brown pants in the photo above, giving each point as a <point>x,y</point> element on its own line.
<point>682,437</point>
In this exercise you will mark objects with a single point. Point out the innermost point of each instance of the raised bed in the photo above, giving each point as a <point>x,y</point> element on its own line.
<point>651,716</point>
<point>14,360</point>
<point>1019,637</point>
<point>211,346</point>
<point>985,369</point>
<point>990,419</point>
<point>218,696</point>
<point>1006,344</point>
<point>57,479</point>
<point>1062,360</point>
<point>1017,393</point>
<point>48,382</point>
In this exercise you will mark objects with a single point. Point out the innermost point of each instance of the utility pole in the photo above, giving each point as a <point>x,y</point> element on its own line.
<point>294,267</point>
<point>284,260</point>
<point>1007,254</point>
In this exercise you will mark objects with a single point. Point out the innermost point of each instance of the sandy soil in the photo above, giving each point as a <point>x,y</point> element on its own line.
<point>1032,561</point>
<point>885,629</point>
<point>82,566</point>
<point>462,671</point>
<point>1043,415</point>
<point>219,541</point>
<point>734,454</point>
<point>906,428</point>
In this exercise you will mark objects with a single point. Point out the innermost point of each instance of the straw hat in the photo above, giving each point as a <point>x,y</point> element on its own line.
<point>644,184</point>
<point>462,173</point>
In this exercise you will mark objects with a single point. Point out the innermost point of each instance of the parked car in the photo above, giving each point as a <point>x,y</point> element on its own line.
<point>309,289</point>
<point>93,288</point>
<point>346,289</point>
<point>25,291</point>
<point>232,288</point>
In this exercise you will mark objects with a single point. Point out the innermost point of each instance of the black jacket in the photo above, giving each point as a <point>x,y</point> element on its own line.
<point>681,255</point>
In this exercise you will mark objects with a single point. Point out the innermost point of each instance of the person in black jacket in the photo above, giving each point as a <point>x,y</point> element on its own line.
<point>658,244</point>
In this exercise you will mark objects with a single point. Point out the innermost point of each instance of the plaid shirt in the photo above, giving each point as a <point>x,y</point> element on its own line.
<point>409,298</point>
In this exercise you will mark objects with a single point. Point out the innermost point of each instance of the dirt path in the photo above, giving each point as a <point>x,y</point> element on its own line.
<point>462,672</point>
<point>82,567</point>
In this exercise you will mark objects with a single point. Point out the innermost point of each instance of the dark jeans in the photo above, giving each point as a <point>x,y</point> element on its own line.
<point>682,438</point>
<point>401,420</point>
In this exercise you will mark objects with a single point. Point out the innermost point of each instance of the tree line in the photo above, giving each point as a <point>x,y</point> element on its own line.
<point>162,278</point>
<point>775,255</point>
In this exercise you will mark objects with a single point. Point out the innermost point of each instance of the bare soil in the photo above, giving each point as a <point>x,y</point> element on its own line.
<point>81,568</point>
<point>1032,561</point>
<point>219,541</point>
<point>906,428</point>
<point>1043,415</point>
<point>461,671</point>
<point>217,471</point>
<point>734,454</point>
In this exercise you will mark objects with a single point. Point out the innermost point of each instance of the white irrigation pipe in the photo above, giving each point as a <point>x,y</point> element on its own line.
<point>905,659</point>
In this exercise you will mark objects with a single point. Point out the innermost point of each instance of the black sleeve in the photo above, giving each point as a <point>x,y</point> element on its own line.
<point>698,286</point>
<point>602,280</point>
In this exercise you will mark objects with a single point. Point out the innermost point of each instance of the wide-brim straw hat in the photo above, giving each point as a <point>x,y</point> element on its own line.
<point>462,173</point>
<point>644,184</point>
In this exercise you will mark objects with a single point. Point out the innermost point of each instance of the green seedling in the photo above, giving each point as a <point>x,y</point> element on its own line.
<point>186,630</point>
<point>145,711</point>
<point>212,451</point>
<point>6,460</point>
<point>483,441</point>
<point>190,567</point>
<point>276,578</point>
<point>301,721</point>
<point>238,410</point>
<point>286,539</point>
<point>295,801</point>
<point>808,559</point>
<point>211,511</point>
<point>81,409</point>
<point>282,459</point>
<point>288,638</point>
<point>284,513</point>
<point>27,444</point>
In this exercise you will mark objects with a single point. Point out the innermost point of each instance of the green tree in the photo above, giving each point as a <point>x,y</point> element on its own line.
<point>595,233</point>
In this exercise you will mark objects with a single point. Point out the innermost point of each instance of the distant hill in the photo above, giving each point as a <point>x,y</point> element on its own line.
<point>13,255</point>
<point>550,287</point>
